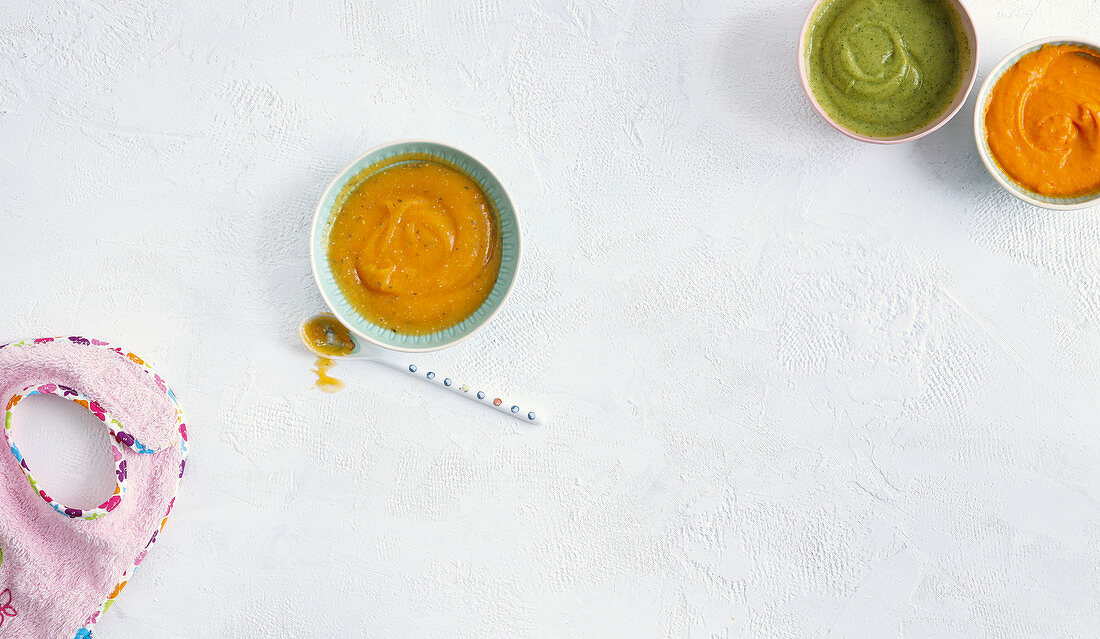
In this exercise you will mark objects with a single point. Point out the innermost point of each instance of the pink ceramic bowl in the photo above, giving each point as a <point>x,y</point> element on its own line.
<point>964,87</point>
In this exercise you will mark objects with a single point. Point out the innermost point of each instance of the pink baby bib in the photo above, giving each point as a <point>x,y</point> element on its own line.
<point>62,567</point>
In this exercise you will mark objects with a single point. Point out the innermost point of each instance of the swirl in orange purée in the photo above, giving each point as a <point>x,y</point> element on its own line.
<point>415,247</point>
<point>1043,121</point>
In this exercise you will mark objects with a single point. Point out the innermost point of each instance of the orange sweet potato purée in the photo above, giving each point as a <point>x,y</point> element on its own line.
<point>415,247</point>
<point>1043,121</point>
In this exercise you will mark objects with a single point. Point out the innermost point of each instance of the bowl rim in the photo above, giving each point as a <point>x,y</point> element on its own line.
<point>1004,64</point>
<point>320,217</point>
<point>959,100</point>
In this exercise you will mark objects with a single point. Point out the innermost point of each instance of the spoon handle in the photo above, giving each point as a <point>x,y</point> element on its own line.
<point>522,413</point>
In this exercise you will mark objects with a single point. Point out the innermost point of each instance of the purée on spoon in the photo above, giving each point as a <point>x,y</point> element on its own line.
<point>325,335</point>
<point>328,338</point>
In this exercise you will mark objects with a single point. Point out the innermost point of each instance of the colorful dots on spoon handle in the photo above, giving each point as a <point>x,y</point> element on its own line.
<point>522,412</point>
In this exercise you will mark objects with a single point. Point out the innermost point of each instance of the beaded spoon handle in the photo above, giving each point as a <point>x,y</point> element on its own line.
<point>479,396</point>
<point>326,336</point>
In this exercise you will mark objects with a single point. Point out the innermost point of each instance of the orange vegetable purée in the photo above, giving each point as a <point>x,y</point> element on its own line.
<point>415,247</point>
<point>1043,121</point>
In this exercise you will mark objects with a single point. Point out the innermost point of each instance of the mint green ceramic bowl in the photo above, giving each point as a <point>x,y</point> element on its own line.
<point>363,167</point>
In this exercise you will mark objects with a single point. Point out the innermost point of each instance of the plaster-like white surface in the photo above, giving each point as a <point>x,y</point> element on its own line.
<point>800,386</point>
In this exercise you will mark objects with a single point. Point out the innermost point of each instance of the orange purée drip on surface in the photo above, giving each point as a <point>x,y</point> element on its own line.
<point>326,382</point>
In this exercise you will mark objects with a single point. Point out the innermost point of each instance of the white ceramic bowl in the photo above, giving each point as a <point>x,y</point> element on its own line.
<point>960,97</point>
<point>1009,184</point>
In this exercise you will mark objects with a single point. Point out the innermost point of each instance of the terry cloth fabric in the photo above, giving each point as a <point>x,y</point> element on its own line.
<point>62,567</point>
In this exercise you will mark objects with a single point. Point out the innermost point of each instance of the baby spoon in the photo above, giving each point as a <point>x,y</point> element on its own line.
<point>327,337</point>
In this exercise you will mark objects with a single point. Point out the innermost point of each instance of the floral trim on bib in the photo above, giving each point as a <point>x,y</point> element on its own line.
<point>113,426</point>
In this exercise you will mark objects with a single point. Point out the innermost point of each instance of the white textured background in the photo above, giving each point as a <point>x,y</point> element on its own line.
<point>800,386</point>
